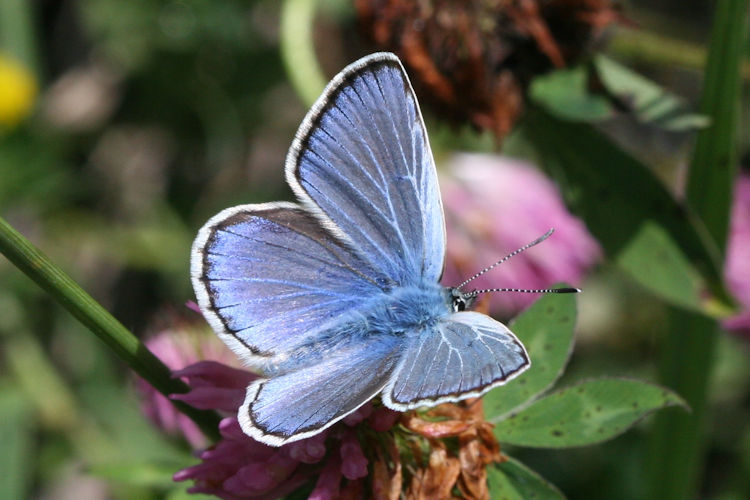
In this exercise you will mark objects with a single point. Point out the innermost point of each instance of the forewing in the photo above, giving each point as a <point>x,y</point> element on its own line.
<point>268,278</point>
<point>302,403</point>
<point>462,356</point>
<point>362,162</point>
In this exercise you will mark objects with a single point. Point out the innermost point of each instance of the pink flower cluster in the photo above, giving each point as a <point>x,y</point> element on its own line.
<point>737,265</point>
<point>238,467</point>
<point>178,348</point>
<point>495,205</point>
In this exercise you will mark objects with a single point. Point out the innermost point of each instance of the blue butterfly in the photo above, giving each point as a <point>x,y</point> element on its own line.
<point>336,299</point>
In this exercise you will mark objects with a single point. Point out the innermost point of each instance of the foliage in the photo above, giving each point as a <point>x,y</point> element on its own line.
<point>195,112</point>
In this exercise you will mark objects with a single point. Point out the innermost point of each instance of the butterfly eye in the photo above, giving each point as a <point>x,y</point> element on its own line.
<point>459,304</point>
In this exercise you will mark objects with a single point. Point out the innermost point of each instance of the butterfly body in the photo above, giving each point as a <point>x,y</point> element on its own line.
<point>395,317</point>
<point>408,309</point>
<point>336,299</point>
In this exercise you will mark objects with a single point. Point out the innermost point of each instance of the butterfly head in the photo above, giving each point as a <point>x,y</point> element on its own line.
<point>460,301</point>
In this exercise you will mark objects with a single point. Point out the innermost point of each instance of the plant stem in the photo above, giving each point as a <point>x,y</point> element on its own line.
<point>655,49</point>
<point>92,315</point>
<point>688,351</point>
<point>714,166</point>
<point>298,49</point>
<point>675,458</point>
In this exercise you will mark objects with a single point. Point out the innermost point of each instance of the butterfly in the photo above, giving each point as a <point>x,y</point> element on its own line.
<point>336,299</point>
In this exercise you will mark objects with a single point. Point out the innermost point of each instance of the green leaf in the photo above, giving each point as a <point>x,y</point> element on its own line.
<point>565,93</point>
<point>617,195</point>
<point>653,259</point>
<point>648,101</point>
<point>512,480</point>
<point>16,444</point>
<point>569,94</point>
<point>587,413</point>
<point>546,330</point>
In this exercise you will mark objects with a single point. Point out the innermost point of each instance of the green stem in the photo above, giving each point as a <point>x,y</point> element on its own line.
<point>676,449</point>
<point>658,50</point>
<point>298,49</point>
<point>714,165</point>
<point>688,351</point>
<point>92,315</point>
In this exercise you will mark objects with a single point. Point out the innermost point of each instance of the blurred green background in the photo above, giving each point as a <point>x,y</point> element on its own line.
<point>125,125</point>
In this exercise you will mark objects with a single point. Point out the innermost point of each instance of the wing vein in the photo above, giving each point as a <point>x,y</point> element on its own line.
<point>390,202</point>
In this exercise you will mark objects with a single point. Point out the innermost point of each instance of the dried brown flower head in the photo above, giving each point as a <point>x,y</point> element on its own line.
<point>451,446</point>
<point>472,60</point>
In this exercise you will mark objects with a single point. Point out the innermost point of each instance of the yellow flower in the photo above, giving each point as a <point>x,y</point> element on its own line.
<point>18,90</point>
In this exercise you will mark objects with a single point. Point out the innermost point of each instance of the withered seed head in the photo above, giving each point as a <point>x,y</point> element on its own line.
<point>435,471</point>
<point>472,60</point>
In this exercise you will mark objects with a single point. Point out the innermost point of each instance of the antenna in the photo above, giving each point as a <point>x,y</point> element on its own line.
<point>525,247</point>
<point>474,293</point>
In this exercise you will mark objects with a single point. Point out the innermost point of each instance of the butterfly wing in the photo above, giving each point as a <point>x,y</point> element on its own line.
<point>269,278</point>
<point>362,163</point>
<point>275,280</point>
<point>302,403</point>
<point>462,356</point>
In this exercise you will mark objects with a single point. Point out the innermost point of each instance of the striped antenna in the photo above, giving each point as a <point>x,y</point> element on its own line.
<point>525,247</point>
<point>474,293</point>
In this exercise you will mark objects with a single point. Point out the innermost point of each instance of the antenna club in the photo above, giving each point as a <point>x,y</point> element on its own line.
<point>475,293</point>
